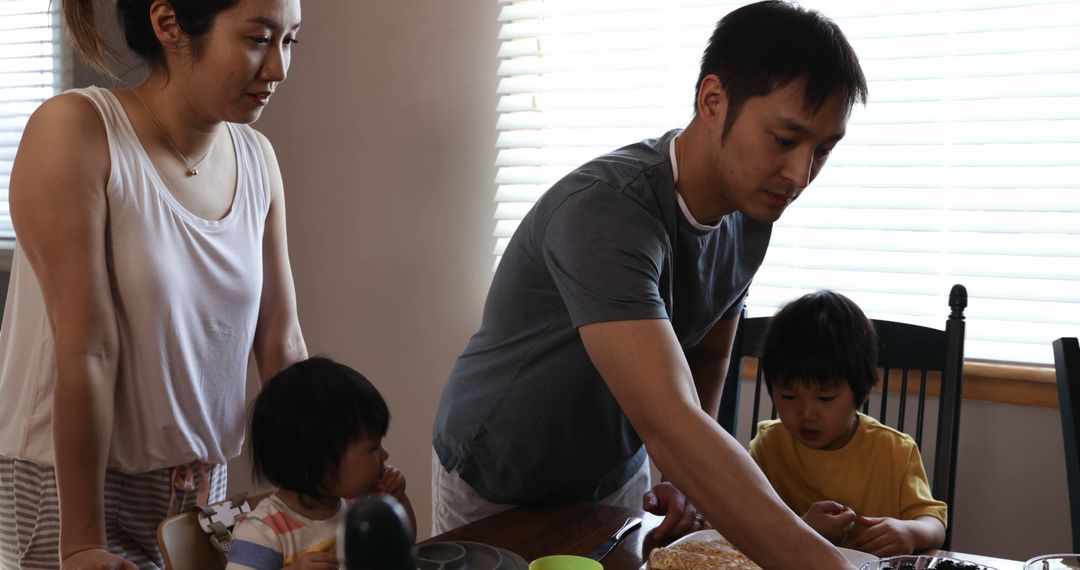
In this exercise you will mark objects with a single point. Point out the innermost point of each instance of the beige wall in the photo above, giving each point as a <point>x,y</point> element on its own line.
<point>385,134</point>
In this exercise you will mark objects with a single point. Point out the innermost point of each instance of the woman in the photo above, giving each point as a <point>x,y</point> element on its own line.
<point>150,262</point>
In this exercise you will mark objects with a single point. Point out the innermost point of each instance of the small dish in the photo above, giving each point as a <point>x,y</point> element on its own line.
<point>441,556</point>
<point>466,555</point>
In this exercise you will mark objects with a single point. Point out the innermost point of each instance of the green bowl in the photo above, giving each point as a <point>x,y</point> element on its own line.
<point>565,562</point>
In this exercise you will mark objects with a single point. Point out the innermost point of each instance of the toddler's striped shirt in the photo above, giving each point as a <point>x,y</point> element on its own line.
<point>272,536</point>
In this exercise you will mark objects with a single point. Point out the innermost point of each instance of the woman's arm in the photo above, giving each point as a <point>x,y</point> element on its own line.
<point>278,339</point>
<point>59,211</point>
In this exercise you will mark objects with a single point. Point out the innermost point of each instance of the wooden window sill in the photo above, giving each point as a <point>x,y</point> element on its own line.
<point>1021,384</point>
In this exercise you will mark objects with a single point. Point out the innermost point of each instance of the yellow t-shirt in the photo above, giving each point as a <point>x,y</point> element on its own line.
<point>879,473</point>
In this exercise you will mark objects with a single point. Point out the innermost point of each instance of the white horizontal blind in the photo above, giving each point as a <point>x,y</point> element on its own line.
<point>963,168</point>
<point>30,72</point>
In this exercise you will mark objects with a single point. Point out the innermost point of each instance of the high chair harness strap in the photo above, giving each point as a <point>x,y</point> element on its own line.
<point>218,520</point>
<point>183,479</point>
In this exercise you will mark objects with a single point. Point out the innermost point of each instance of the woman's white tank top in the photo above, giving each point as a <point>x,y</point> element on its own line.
<point>186,292</point>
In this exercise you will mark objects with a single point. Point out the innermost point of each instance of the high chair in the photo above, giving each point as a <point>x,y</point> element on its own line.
<point>185,545</point>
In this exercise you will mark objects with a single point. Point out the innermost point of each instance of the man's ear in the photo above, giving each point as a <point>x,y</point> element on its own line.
<point>166,28</point>
<point>712,100</point>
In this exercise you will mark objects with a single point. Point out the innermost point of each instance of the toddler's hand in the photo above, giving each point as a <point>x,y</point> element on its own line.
<point>315,561</point>
<point>392,482</point>
<point>831,520</point>
<point>884,536</point>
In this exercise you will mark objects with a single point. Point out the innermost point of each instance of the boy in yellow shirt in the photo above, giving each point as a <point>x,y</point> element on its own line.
<point>860,484</point>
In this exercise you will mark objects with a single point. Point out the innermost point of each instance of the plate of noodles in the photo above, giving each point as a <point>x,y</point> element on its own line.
<point>708,549</point>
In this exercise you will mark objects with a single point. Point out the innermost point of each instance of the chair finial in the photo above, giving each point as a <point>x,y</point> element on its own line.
<point>958,301</point>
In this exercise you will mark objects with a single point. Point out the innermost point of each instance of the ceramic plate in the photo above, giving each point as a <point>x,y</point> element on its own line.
<point>440,556</point>
<point>507,560</point>
<point>511,561</point>
<point>854,556</point>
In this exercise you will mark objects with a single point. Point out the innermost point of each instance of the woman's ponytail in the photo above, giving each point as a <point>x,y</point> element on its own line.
<point>85,36</point>
<point>193,17</point>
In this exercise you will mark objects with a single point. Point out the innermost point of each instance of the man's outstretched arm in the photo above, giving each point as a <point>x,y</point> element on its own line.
<point>645,368</point>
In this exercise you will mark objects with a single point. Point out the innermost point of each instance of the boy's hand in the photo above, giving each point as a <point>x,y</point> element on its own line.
<point>315,561</point>
<point>392,482</point>
<point>831,520</point>
<point>884,536</point>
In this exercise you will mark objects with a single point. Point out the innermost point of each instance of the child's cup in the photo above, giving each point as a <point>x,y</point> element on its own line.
<point>565,562</point>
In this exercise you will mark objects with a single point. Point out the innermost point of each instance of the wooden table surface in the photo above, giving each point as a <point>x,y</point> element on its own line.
<point>578,528</point>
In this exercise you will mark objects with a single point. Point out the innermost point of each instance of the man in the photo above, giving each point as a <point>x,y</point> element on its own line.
<point>610,319</point>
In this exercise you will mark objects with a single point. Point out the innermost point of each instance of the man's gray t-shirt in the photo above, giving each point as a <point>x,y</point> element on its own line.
<point>525,416</point>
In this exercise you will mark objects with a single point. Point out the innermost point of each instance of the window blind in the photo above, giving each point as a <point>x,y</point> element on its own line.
<point>964,167</point>
<point>30,72</point>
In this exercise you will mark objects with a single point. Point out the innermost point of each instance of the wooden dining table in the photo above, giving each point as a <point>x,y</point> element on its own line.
<point>578,528</point>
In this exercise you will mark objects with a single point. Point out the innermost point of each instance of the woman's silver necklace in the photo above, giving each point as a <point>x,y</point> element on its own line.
<point>191,170</point>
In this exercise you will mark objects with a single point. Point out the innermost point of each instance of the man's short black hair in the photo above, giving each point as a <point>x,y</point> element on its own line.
<point>821,338</point>
<point>762,47</point>
<point>305,417</point>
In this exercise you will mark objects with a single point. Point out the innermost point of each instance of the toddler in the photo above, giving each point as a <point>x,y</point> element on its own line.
<point>316,434</point>
<point>859,483</point>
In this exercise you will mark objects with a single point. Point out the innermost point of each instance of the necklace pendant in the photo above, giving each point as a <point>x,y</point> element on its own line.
<point>193,172</point>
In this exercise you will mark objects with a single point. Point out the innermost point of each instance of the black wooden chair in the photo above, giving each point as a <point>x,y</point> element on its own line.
<point>1067,364</point>
<point>911,357</point>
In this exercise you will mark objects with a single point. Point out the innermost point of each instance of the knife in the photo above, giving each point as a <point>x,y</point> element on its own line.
<point>612,541</point>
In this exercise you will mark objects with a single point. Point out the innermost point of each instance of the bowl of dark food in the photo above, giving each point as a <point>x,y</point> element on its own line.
<point>914,562</point>
<point>1053,562</point>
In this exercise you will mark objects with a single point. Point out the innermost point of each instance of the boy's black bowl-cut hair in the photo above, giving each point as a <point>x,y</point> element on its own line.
<point>822,338</point>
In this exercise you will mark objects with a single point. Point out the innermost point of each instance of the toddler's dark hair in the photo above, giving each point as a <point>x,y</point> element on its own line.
<point>822,338</point>
<point>303,420</point>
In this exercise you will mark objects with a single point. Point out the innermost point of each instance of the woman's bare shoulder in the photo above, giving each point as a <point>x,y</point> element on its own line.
<point>74,109</point>
<point>66,133</point>
<point>67,119</point>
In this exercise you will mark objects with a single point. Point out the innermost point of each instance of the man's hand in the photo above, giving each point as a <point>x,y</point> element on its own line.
<point>315,561</point>
<point>884,536</point>
<point>831,520</point>
<point>96,559</point>
<point>680,515</point>
<point>392,482</point>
